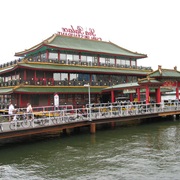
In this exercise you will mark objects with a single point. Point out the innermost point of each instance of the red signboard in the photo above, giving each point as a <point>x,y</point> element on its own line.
<point>79,32</point>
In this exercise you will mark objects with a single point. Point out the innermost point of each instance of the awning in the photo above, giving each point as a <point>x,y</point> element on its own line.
<point>6,90</point>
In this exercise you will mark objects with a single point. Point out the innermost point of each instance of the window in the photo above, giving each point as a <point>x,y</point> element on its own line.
<point>53,56</point>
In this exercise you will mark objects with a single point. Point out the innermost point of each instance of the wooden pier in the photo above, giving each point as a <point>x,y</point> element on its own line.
<point>67,121</point>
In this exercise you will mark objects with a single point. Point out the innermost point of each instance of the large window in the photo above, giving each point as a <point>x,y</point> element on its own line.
<point>60,76</point>
<point>102,60</point>
<point>73,76</point>
<point>63,56</point>
<point>83,77</point>
<point>53,55</point>
<point>69,57</point>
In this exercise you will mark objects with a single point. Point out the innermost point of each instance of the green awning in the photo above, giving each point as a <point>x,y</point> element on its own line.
<point>6,90</point>
<point>75,68</point>
<point>69,89</point>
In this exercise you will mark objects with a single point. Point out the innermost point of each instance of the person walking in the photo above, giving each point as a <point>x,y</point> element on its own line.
<point>11,110</point>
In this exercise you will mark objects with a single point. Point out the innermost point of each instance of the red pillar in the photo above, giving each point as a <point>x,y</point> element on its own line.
<point>58,56</point>
<point>20,100</point>
<point>131,97</point>
<point>158,95</point>
<point>147,95</point>
<point>47,54</point>
<point>112,96</point>
<point>177,93</point>
<point>115,61</point>
<point>98,61</point>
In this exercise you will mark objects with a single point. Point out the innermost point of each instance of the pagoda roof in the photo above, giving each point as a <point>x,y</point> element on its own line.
<point>60,42</point>
<point>173,73</point>
<point>49,89</point>
<point>75,68</point>
<point>122,86</point>
<point>149,81</point>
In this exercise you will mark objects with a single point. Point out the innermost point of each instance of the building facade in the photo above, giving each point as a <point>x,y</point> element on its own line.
<point>63,65</point>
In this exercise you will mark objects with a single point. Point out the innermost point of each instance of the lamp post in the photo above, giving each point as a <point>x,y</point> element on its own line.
<point>89,94</point>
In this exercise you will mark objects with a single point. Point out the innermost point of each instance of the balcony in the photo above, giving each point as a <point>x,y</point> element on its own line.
<point>74,62</point>
<point>51,82</point>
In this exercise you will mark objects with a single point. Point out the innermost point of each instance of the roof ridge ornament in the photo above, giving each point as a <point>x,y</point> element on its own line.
<point>160,69</point>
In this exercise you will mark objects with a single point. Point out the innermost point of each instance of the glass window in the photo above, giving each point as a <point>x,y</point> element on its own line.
<point>76,57</point>
<point>60,76</point>
<point>56,76</point>
<point>63,56</point>
<point>133,63</point>
<point>83,77</point>
<point>53,56</point>
<point>43,56</point>
<point>73,77</point>
<point>118,61</point>
<point>102,60</point>
<point>112,61</point>
<point>127,62</point>
<point>64,76</point>
<point>69,57</point>
<point>83,58</point>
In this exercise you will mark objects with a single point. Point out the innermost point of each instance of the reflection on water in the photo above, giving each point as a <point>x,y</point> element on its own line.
<point>150,151</point>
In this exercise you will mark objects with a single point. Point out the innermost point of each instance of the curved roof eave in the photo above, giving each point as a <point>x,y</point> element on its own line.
<point>38,46</point>
<point>71,45</point>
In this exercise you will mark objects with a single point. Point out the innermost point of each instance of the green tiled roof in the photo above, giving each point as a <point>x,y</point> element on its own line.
<point>6,90</point>
<point>80,44</point>
<point>48,89</point>
<point>122,86</point>
<point>76,68</point>
<point>165,73</point>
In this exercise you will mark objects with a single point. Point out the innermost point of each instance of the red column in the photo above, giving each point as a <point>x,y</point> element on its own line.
<point>47,54</point>
<point>98,61</point>
<point>131,97</point>
<point>20,101</point>
<point>147,95</point>
<point>177,93</point>
<point>158,95</point>
<point>59,56</point>
<point>112,96</point>
<point>115,61</point>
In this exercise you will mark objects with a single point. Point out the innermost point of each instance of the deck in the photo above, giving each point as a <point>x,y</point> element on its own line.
<point>58,120</point>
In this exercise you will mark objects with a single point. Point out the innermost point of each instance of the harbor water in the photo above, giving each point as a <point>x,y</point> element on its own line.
<point>148,151</point>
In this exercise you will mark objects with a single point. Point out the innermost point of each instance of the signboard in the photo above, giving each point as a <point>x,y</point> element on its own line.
<point>79,32</point>
<point>56,100</point>
<point>128,91</point>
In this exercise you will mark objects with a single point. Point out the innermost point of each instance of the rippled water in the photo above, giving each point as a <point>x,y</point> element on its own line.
<point>150,151</point>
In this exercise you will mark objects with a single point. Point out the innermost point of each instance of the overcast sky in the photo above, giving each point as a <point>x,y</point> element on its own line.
<point>149,27</point>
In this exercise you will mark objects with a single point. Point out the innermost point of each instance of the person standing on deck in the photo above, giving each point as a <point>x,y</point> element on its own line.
<point>10,110</point>
<point>29,111</point>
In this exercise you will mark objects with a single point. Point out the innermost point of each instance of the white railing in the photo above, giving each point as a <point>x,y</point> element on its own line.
<point>46,117</point>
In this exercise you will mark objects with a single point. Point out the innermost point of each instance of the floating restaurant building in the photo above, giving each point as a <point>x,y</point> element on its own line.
<point>63,64</point>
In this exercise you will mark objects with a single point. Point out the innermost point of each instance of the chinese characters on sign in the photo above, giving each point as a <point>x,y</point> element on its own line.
<point>79,32</point>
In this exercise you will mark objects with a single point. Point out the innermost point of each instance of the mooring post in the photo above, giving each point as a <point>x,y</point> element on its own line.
<point>113,124</point>
<point>93,128</point>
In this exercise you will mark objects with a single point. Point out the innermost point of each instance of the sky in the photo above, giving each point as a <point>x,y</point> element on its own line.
<point>145,26</point>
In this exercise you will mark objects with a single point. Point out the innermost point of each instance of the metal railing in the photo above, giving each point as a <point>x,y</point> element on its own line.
<point>46,117</point>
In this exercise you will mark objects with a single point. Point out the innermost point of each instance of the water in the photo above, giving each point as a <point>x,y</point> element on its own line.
<point>150,151</point>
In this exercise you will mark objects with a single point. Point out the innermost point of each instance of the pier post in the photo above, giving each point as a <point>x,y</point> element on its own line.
<point>177,116</point>
<point>113,124</point>
<point>93,128</point>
